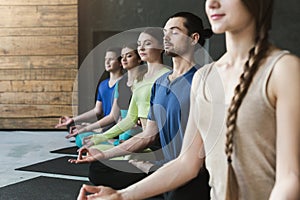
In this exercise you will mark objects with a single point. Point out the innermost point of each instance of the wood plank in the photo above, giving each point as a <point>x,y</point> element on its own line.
<point>32,62</point>
<point>36,98</point>
<point>39,45</point>
<point>37,2</point>
<point>26,111</point>
<point>38,74</point>
<point>29,123</point>
<point>39,31</point>
<point>38,16</point>
<point>38,86</point>
<point>38,62</point>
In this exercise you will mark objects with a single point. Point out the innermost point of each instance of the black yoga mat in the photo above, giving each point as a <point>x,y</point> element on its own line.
<point>68,150</point>
<point>46,188</point>
<point>59,166</point>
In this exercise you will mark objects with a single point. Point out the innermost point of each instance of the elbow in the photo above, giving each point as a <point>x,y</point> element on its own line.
<point>97,112</point>
<point>145,142</point>
<point>151,140</point>
<point>287,187</point>
<point>194,171</point>
<point>193,168</point>
<point>112,118</point>
<point>137,143</point>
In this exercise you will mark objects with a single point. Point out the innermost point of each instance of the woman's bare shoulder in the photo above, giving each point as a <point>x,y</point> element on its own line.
<point>286,73</point>
<point>287,65</point>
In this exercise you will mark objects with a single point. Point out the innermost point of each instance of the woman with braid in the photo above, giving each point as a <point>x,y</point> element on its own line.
<point>249,134</point>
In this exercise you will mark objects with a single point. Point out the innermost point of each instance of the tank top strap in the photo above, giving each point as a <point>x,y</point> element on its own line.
<point>268,71</point>
<point>273,60</point>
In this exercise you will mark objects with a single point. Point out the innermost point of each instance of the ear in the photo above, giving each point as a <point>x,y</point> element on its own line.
<point>195,38</point>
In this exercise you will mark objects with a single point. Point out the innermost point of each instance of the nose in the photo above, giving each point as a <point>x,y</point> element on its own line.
<point>212,4</point>
<point>166,36</point>
<point>107,61</point>
<point>141,47</point>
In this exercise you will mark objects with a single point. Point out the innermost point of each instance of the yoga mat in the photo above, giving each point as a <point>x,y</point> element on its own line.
<point>73,150</point>
<point>59,166</point>
<point>42,187</point>
<point>68,150</point>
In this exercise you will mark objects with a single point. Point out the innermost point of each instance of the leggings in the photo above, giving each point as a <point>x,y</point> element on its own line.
<point>79,138</point>
<point>197,188</point>
<point>119,174</point>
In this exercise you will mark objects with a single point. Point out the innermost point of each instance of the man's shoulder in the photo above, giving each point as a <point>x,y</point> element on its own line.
<point>104,83</point>
<point>163,77</point>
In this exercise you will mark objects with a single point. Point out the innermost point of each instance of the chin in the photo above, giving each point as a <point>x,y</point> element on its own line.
<point>109,69</point>
<point>170,53</point>
<point>217,30</point>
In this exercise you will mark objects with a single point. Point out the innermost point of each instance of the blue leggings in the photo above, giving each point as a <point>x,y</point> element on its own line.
<point>124,136</point>
<point>79,138</point>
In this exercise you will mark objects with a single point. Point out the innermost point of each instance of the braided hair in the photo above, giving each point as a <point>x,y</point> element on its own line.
<point>262,12</point>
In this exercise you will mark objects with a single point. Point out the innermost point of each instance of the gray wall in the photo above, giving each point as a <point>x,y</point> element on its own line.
<point>99,19</point>
<point>286,25</point>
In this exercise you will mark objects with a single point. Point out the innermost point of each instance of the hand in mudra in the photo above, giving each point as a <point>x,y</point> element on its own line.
<point>92,155</point>
<point>64,121</point>
<point>98,192</point>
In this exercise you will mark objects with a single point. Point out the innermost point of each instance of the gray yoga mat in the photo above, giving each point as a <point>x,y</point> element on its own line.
<point>59,166</point>
<point>42,187</point>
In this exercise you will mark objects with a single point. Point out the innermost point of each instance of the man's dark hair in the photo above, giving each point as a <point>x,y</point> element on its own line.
<point>194,24</point>
<point>116,50</point>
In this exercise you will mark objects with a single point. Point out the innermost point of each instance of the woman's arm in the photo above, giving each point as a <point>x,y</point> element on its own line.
<point>112,117</point>
<point>125,124</point>
<point>284,87</point>
<point>173,174</point>
<point>134,144</point>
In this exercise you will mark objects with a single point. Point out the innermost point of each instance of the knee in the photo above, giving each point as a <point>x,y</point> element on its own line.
<point>78,141</point>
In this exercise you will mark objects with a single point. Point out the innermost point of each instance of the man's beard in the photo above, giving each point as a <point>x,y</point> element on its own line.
<point>170,53</point>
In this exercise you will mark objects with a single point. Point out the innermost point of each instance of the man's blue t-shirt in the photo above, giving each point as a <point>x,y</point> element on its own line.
<point>105,94</point>
<point>170,106</point>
